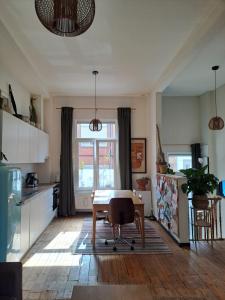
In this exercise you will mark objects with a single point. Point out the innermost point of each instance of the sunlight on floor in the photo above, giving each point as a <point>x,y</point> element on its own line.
<point>64,240</point>
<point>55,259</point>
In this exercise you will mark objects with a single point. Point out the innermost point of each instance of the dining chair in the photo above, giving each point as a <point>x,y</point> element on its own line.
<point>121,212</point>
<point>100,215</point>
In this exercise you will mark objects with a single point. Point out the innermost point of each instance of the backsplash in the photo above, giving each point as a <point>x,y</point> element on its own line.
<point>25,168</point>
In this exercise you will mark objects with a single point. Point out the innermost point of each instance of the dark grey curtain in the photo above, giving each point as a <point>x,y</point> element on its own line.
<point>196,154</point>
<point>124,123</point>
<point>67,199</point>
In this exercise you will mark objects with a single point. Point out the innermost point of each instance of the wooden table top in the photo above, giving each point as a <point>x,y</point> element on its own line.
<point>112,292</point>
<point>104,196</point>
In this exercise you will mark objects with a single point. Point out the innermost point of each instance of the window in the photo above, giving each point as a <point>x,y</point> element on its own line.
<point>95,157</point>
<point>180,161</point>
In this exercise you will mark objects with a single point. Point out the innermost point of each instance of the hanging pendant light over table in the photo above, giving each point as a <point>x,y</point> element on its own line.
<point>66,17</point>
<point>95,124</point>
<point>216,123</point>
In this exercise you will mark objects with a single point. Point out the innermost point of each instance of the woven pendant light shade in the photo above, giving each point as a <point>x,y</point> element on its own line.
<point>95,124</point>
<point>216,123</point>
<point>66,17</point>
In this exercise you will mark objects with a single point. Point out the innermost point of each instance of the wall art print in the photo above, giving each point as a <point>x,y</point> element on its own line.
<point>138,155</point>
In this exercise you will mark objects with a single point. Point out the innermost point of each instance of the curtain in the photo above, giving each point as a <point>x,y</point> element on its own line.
<point>66,199</point>
<point>124,123</point>
<point>196,154</point>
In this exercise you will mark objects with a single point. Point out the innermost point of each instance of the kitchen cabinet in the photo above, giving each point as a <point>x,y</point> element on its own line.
<point>25,228</point>
<point>41,213</point>
<point>9,136</point>
<point>21,142</point>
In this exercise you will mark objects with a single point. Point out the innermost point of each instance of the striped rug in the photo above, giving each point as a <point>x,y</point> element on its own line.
<point>153,242</point>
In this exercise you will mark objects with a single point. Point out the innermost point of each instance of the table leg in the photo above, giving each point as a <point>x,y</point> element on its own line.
<point>94,227</point>
<point>143,227</point>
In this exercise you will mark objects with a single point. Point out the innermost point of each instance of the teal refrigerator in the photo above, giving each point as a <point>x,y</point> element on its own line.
<point>10,213</point>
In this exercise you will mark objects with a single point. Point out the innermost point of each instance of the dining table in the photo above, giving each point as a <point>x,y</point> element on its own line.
<point>101,203</point>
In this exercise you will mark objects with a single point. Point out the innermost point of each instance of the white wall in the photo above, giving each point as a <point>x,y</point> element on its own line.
<point>21,95</point>
<point>138,118</point>
<point>180,123</point>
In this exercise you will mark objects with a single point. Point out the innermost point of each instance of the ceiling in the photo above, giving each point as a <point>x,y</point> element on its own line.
<point>197,77</point>
<point>130,42</point>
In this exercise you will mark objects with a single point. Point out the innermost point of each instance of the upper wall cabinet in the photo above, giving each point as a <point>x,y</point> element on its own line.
<point>21,142</point>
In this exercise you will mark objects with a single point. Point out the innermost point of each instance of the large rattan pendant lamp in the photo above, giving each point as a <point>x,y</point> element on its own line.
<point>216,123</point>
<point>95,124</point>
<point>66,17</point>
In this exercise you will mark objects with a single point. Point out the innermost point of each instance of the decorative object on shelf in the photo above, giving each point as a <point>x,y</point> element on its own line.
<point>33,114</point>
<point>14,103</point>
<point>216,123</point>
<point>200,184</point>
<point>138,155</point>
<point>161,163</point>
<point>95,124</point>
<point>2,156</point>
<point>66,17</point>
<point>170,170</point>
<point>142,183</point>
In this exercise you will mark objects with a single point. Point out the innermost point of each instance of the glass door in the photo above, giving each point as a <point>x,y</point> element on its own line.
<point>105,164</point>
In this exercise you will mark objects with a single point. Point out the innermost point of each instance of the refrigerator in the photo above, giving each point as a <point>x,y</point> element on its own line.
<point>10,213</point>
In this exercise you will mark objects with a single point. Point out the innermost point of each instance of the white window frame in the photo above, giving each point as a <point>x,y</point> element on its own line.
<point>178,153</point>
<point>95,161</point>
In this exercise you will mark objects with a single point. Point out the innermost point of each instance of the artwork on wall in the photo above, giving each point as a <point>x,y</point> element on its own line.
<point>138,155</point>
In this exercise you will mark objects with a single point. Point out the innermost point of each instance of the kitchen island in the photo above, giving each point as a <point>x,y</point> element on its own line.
<point>172,207</point>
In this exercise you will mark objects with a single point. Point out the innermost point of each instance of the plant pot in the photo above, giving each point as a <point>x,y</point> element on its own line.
<point>162,168</point>
<point>142,184</point>
<point>200,201</point>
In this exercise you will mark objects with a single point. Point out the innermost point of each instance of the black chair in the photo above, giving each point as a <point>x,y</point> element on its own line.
<point>10,281</point>
<point>121,212</point>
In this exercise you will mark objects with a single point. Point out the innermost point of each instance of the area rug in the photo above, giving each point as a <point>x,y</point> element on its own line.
<point>153,242</point>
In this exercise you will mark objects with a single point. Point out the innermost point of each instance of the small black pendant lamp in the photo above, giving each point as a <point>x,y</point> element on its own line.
<point>95,124</point>
<point>216,123</point>
<point>66,17</point>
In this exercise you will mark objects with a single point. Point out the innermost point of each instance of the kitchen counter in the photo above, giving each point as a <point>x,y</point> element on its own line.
<point>28,193</point>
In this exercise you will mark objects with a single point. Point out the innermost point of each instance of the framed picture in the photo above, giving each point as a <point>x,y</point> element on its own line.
<point>138,155</point>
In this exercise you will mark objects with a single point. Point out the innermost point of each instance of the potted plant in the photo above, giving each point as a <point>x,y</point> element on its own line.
<point>142,182</point>
<point>200,184</point>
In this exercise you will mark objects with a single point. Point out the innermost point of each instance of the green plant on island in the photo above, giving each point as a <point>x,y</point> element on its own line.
<point>199,182</point>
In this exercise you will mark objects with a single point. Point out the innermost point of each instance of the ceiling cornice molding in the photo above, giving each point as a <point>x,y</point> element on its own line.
<point>212,21</point>
<point>15,37</point>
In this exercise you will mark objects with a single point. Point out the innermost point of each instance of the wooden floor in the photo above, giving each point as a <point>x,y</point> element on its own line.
<point>50,270</point>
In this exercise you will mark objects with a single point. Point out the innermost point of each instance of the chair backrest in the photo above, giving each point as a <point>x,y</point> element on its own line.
<point>121,210</point>
<point>11,280</point>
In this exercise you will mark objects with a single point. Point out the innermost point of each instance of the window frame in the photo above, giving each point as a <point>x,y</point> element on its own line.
<point>178,153</point>
<point>95,142</point>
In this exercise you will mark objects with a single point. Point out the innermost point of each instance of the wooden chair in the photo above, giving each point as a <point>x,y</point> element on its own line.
<point>137,217</point>
<point>121,212</point>
<point>101,215</point>
<point>202,221</point>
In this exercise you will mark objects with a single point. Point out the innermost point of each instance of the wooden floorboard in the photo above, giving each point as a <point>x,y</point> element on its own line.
<point>50,271</point>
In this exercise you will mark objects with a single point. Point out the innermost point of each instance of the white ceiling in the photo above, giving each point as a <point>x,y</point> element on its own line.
<point>130,42</point>
<point>197,77</point>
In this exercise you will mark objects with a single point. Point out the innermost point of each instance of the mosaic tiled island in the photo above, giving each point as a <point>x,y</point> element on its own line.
<point>172,207</point>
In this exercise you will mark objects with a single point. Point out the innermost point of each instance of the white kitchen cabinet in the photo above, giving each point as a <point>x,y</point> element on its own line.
<point>25,228</point>
<point>41,213</point>
<point>9,136</point>
<point>42,146</point>
<point>21,142</point>
<point>35,218</point>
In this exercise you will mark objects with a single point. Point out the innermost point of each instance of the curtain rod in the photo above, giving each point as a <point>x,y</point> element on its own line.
<point>100,108</point>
